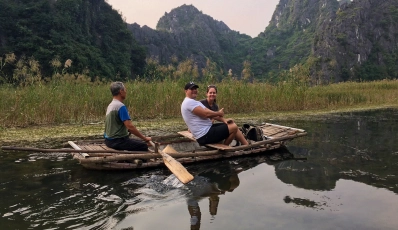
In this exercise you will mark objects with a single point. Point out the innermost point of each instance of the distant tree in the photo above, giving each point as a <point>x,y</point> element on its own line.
<point>186,71</point>
<point>210,72</point>
<point>246,72</point>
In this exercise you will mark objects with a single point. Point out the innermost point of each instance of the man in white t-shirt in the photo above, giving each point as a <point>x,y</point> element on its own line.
<point>198,119</point>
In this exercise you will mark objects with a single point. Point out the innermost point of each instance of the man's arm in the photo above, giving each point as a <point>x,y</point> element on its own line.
<point>207,113</point>
<point>132,129</point>
<point>125,117</point>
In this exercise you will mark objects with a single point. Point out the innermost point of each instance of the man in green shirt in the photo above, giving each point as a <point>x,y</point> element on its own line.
<point>118,125</point>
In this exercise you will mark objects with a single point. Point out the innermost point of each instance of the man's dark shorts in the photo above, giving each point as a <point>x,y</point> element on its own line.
<point>216,133</point>
<point>126,143</point>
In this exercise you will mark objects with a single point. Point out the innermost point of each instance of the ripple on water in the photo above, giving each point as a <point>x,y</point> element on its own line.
<point>54,171</point>
<point>91,206</point>
<point>94,205</point>
<point>109,197</point>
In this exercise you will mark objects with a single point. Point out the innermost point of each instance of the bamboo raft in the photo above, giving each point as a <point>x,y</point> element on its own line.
<point>182,146</point>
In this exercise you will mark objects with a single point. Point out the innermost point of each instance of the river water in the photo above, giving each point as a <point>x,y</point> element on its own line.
<point>349,180</point>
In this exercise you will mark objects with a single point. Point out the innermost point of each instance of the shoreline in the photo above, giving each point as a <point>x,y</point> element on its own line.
<point>56,134</point>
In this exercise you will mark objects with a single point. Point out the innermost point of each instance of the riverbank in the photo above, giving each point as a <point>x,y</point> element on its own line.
<point>56,135</point>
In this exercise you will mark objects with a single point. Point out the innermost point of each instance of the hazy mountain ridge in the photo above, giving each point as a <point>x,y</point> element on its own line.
<point>185,32</point>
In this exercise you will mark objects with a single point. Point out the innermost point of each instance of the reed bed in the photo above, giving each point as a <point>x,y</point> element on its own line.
<point>68,102</point>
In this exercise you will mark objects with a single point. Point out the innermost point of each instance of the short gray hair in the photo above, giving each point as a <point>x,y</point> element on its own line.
<point>116,87</point>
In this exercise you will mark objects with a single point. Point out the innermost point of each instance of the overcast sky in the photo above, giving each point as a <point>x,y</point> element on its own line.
<point>246,16</point>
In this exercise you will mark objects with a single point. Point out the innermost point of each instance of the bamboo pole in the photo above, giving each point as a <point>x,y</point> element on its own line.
<point>128,157</point>
<point>269,141</point>
<point>68,150</point>
<point>110,155</point>
<point>78,148</point>
<point>281,126</point>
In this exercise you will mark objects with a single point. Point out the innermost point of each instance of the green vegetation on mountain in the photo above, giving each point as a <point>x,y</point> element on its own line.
<point>329,36</point>
<point>336,40</point>
<point>89,33</point>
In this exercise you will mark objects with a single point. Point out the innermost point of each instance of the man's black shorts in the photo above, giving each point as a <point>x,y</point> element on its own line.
<point>216,133</point>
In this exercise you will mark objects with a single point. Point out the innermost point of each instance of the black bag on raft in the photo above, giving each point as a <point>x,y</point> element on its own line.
<point>252,132</point>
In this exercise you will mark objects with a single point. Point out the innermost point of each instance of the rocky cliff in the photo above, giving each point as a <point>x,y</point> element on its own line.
<point>289,36</point>
<point>358,43</point>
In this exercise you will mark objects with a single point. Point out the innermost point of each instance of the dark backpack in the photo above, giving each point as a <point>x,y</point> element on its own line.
<point>252,132</point>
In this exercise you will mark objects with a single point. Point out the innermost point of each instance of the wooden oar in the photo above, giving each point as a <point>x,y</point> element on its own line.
<point>175,167</point>
<point>169,150</point>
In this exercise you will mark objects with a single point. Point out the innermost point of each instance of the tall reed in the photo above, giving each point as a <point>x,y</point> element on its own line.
<point>58,102</point>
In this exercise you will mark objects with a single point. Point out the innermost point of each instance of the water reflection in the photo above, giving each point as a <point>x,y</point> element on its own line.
<point>215,179</point>
<point>356,146</point>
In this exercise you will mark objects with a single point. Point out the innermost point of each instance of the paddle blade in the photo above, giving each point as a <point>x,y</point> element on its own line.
<point>169,149</point>
<point>177,169</point>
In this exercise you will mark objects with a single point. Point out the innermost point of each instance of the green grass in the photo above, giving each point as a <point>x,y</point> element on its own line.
<point>70,102</point>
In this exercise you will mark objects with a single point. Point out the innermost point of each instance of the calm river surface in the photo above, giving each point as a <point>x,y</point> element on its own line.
<point>349,181</point>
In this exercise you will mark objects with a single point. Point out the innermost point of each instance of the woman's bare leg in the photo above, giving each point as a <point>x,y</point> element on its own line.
<point>232,128</point>
<point>235,133</point>
<point>241,138</point>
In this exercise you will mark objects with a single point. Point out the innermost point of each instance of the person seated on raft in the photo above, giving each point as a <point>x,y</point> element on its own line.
<point>118,124</point>
<point>210,103</point>
<point>198,119</point>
